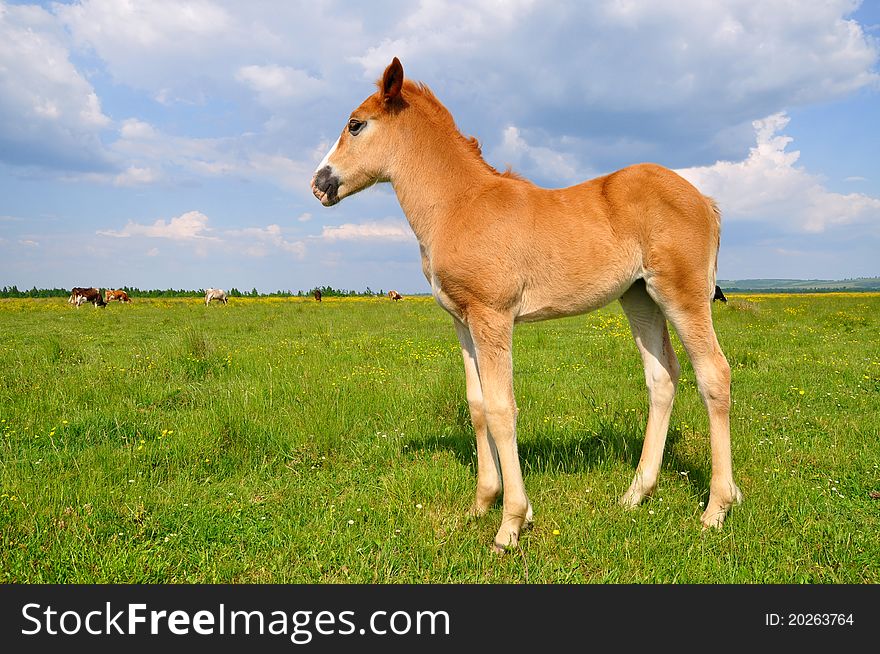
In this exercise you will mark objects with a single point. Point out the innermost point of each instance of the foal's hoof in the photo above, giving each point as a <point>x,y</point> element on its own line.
<point>498,548</point>
<point>483,501</point>
<point>716,510</point>
<point>636,493</point>
<point>476,511</point>
<point>713,519</point>
<point>631,499</point>
<point>508,534</point>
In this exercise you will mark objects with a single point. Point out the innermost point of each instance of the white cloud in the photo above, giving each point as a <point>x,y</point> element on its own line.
<point>154,154</point>
<point>29,243</point>
<point>154,24</point>
<point>289,173</point>
<point>190,226</point>
<point>147,44</point>
<point>134,176</point>
<point>768,185</point>
<point>279,84</point>
<point>428,30</point>
<point>50,114</point>
<point>546,162</point>
<point>257,241</point>
<point>133,129</point>
<point>193,51</point>
<point>386,230</point>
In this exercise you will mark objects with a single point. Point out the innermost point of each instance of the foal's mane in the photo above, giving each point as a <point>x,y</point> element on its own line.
<point>443,116</point>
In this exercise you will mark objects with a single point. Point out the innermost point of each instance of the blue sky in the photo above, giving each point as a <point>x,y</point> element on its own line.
<point>170,143</point>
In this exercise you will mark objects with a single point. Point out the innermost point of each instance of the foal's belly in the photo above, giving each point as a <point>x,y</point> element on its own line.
<point>544,305</point>
<point>538,304</point>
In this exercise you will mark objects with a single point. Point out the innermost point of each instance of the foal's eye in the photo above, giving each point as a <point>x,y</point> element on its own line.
<point>355,126</point>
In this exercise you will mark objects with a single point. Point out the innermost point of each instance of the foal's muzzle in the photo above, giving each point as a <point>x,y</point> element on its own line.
<point>325,186</point>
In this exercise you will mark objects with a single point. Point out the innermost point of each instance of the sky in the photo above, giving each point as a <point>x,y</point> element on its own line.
<point>171,143</point>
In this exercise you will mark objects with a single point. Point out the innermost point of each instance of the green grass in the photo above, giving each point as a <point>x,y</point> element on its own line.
<point>290,441</point>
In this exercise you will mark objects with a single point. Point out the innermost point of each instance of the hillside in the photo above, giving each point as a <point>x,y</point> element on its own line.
<point>801,285</point>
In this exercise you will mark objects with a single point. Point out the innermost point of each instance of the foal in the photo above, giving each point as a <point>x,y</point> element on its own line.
<point>498,250</point>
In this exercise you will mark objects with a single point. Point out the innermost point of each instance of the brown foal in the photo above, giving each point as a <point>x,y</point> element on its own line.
<point>498,249</point>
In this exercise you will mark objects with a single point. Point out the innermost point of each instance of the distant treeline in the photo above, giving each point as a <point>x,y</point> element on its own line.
<point>326,291</point>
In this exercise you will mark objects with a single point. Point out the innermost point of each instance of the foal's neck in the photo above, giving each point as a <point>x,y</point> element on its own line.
<point>438,177</point>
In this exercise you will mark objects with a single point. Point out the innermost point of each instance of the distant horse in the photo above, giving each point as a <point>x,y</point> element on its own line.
<point>317,294</point>
<point>719,295</point>
<point>394,295</point>
<point>497,249</point>
<point>215,294</point>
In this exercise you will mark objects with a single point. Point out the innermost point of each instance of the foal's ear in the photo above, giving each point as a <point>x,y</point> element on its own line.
<point>392,80</point>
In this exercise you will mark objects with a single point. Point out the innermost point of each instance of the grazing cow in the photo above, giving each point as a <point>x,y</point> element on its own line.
<point>394,295</point>
<point>719,295</point>
<point>117,296</point>
<point>498,250</point>
<point>215,294</point>
<point>317,294</point>
<point>80,295</point>
<point>74,294</point>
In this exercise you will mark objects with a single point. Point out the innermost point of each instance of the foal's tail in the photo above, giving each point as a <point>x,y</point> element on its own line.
<point>715,235</point>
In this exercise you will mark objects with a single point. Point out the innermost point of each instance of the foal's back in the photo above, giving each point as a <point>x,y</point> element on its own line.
<point>546,253</point>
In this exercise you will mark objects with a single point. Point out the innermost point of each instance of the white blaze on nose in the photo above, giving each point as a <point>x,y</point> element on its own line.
<point>327,156</point>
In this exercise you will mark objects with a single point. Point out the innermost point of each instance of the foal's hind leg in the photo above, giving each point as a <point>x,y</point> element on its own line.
<point>692,318</point>
<point>649,330</point>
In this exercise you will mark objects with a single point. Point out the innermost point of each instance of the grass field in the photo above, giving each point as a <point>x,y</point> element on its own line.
<point>283,440</point>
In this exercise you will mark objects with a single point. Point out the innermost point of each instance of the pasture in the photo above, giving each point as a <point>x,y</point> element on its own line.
<point>285,440</point>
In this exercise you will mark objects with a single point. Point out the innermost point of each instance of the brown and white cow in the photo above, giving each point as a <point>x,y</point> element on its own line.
<point>80,295</point>
<point>215,294</point>
<point>394,295</point>
<point>118,296</point>
<point>74,294</point>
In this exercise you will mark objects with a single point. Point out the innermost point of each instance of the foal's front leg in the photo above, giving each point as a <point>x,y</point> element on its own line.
<point>492,335</point>
<point>488,472</point>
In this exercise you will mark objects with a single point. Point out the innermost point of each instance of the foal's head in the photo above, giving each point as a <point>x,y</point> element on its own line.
<point>362,154</point>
